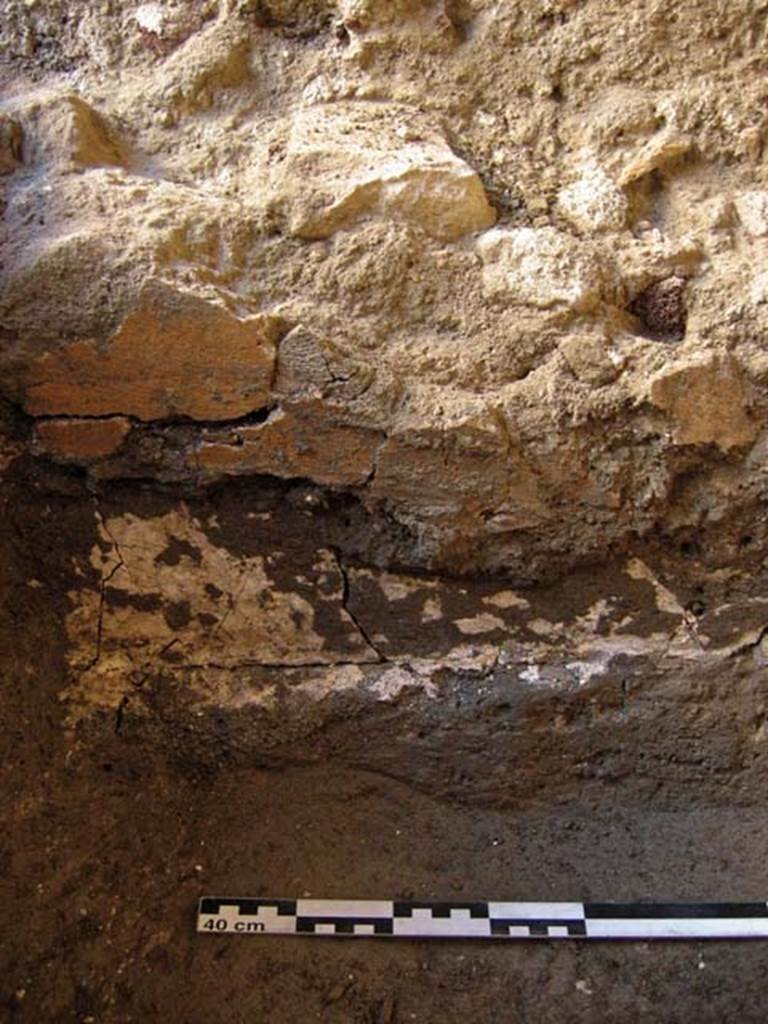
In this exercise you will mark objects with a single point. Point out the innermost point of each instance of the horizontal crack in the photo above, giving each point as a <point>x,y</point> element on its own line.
<point>252,418</point>
<point>278,665</point>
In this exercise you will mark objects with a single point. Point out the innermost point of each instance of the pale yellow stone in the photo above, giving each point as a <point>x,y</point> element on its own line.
<point>593,202</point>
<point>347,162</point>
<point>705,399</point>
<point>752,210</point>
<point>539,267</point>
<point>662,149</point>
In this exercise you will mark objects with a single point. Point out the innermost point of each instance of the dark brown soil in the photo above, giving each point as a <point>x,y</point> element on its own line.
<point>103,867</point>
<point>107,843</point>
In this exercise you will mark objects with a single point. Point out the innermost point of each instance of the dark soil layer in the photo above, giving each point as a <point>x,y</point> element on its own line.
<point>108,863</point>
<point>109,838</point>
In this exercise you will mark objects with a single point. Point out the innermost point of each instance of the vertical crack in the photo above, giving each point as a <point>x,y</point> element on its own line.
<point>103,583</point>
<point>120,713</point>
<point>345,595</point>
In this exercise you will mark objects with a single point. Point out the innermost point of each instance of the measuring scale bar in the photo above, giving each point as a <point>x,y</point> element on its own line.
<point>414,919</point>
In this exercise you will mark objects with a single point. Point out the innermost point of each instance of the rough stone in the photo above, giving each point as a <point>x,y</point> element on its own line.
<point>411,226</point>
<point>378,24</point>
<point>70,133</point>
<point>81,440</point>
<point>660,150</point>
<point>298,440</point>
<point>538,267</point>
<point>591,358</point>
<point>593,202</point>
<point>706,401</point>
<point>752,210</point>
<point>175,356</point>
<point>346,162</point>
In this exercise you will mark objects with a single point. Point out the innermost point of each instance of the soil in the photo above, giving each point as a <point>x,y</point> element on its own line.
<point>110,860</point>
<point>109,838</point>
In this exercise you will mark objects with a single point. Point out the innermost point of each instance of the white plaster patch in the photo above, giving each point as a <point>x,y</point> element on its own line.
<point>466,658</point>
<point>592,618</point>
<point>543,627</point>
<point>390,684</point>
<point>206,606</point>
<point>480,623</point>
<point>398,588</point>
<point>432,610</point>
<point>506,599</point>
<point>585,670</point>
<point>531,674</point>
<point>150,17</point>
<point>550,674</point>
<point>471,657</point>
<point>395,586</point>
<point>665,599</point>
<point>326,682</point>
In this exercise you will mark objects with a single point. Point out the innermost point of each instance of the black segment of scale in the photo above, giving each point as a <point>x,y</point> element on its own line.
<point>661,911</point>
<point>284,908</point>
<point>405,908</point>
<point>344,925</point>
<point>536,927</point>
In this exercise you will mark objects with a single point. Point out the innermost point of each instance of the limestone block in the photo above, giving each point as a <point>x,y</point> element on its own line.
<point>752,210</point>
<point>69,131</point>
<point>705,400</point>
<point>366,14</point>
<point>654,257</point>
<point>80,440</point>
<point>301,364</point>
<point>216,61</point>
<point>201,59</point>
<point>616,120</point>
<point>175,355</point>
<point>431,415</point>
<point>388,22</point>
<point>539,267</point>
<point>662,149</point>
<point>345,162</point>
<point>591,359</point>
<point>593,202</point>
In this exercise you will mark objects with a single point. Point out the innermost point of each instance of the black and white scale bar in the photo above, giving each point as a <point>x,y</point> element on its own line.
<point>482,920</point>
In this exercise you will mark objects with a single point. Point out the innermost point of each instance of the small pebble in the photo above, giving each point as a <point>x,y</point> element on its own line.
<point>336,993</point>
